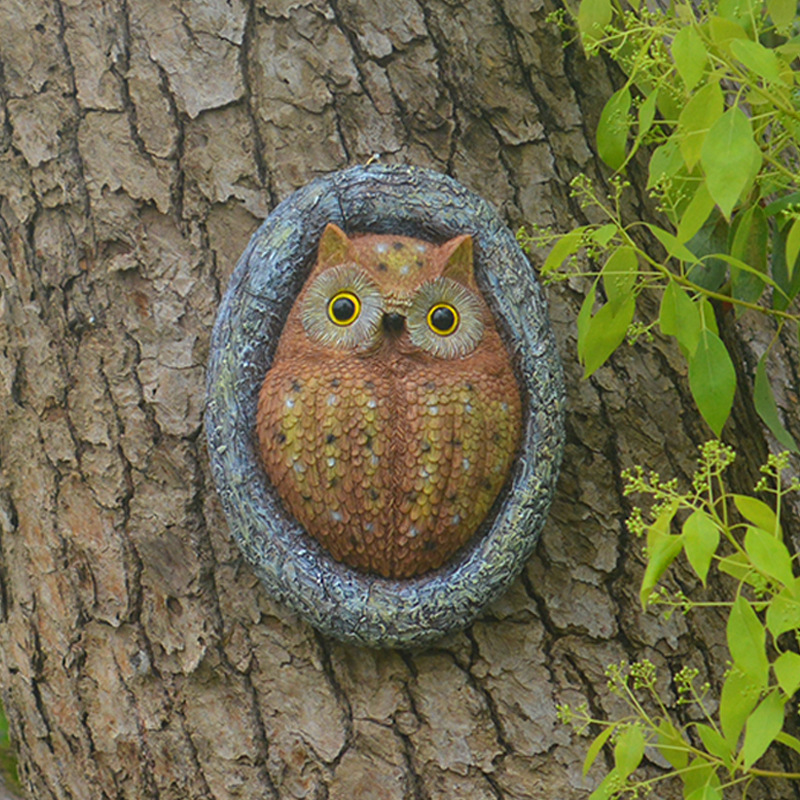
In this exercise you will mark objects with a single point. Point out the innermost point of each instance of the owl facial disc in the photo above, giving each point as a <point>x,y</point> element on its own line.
<point>343,308</point>
<point>445,319</point>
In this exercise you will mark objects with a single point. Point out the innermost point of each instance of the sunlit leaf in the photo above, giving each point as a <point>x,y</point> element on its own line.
<point>783,12</point>
<point>567,245</point>
<point>757,58</point>
<point>783,613</point>
<point>628,750</point>
<point>757,512</point>
<point>605,334</point>
<point>680,317</point>
<point>714,742</point>
<point>712,380</point>
<point>696,119</point>
<point>728,154</point>
<point>619,276</point>
<point>672,745</point>
<point>695,215</point>
<point>700,540</point>
<point>595,747</point>
<point>738,698</point>
<point>769,555</point>
<point>747,640</point>
<point>763,725</point>
<point>787,671</point>
<point>613,128</point>
<point>593,16</point>
<point>689,54</point>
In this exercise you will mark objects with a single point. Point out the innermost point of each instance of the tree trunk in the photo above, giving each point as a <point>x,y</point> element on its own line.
<point>142,142</point>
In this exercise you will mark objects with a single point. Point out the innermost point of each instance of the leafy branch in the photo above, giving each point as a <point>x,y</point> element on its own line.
<point>742,537</point>
<point>712,96</point>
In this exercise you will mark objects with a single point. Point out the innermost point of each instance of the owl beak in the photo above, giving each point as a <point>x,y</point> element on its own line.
<point>393,322</point>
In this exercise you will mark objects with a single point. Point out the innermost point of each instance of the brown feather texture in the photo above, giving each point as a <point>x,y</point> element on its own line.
<point>390,417</point>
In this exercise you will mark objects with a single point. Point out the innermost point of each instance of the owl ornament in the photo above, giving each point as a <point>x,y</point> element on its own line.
<point>384,405</point>
<point>390,416</point>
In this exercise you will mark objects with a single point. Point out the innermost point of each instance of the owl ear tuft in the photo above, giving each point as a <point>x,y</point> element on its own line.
<point>333,246</point>
<point>458,260</point>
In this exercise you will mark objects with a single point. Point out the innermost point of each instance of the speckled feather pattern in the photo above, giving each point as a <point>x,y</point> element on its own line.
<point>389,454</point>
<point>339,600</point>
<point>390,466</point>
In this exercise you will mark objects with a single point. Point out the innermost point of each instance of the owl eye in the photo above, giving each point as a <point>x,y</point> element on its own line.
<point>443,319</point>
<point>344,308</point>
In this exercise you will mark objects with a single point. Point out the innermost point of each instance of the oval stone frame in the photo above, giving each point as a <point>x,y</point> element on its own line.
<point>336,599</point>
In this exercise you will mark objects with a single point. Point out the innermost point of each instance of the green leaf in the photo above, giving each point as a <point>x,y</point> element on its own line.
<point>566,246</point>
<point>767,408</point>
<point>695,215</point>
<point>606,333</point>
<point>619,276</point>
<point>783,12</point>
<point>783,613</point>
<point>673,247</point>
<point>584,318</point>
<point>604,234</point>
<point>788,283</point>
<point>665,162</point>
<point>700,781</point>
<point>647,113</point>
<point>788,740</point>
<point>672,745</point>
<point>782,203</point>
<point>712,380</point>
<point>769,555</point>
<point>680,317</point>
<point>757,58</point>
<point>705,792</point>
<point>757,512</point>
<point>700,541</point>
<point>659,557</point>
<point>607,788</point>
<point>787,672</point>
<point>747,641</point>
<point>763,725</point>
<point>689,54</point>
<point>596,746</point>
<point>696,119</point>
<point>711,238</point>
<point>739,697</point>
<point>723,31</point>
<point>714,742</point>
<point>750,242</point>
<point>613,128</point>
<point>738,566</point>
<point>727,157</point>
<point>593,16</point>
<point>628,750</point>
<point>792,248</point>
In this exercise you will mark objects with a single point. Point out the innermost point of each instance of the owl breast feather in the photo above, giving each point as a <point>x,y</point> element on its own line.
<point>391,474</point>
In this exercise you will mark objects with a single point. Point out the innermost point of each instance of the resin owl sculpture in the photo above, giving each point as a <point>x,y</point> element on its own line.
<point>389,419</point>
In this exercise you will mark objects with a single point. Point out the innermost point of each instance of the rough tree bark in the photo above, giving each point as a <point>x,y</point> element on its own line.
<point>141,143</point>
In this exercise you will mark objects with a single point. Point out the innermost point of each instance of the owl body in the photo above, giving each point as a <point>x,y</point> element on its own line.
<point>389,419</point>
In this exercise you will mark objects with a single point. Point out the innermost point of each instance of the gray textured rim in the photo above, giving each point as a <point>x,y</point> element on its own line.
<point>334,598</point>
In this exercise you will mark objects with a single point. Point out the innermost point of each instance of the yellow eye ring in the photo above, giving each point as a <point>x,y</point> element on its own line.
<point>443,319</point>
<point>343,309</point>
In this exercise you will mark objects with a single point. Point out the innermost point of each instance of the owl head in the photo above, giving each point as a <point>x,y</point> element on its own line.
<point>369,293</point>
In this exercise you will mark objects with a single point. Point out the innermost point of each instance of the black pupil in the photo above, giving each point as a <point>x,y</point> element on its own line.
<point>442,319</point>
<point>343,309</point>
